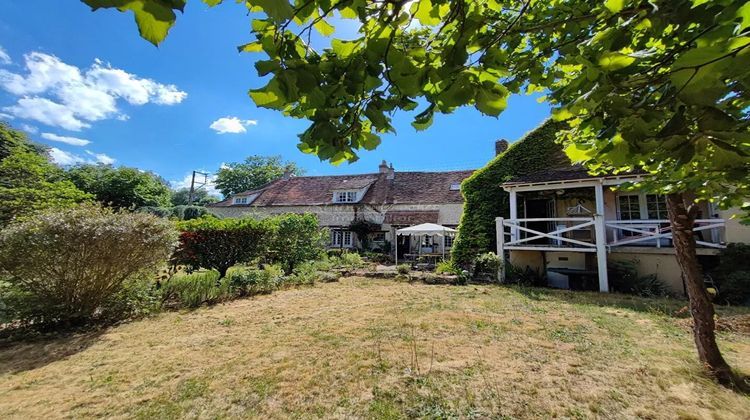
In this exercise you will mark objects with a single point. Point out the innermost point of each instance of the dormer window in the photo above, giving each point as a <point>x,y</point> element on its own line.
<point>345,197</point>
<point>240,200</point>
<point>456,186</point>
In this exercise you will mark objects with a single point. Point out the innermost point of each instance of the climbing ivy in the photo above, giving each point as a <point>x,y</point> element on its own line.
<point>485,199</point>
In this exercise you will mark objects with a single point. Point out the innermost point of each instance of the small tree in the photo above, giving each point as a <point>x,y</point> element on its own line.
<point>68,265</point>
<point>254,172</point>
<point>121,188</point>
<point>219,244</point>
<point>298,239</point>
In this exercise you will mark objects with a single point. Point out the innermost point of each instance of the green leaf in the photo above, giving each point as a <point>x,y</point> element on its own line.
<point>614,6</point>
<point>325,28</point>
<point>212,3</point>
<point>744,14</point>
<point>613,61</point>
<point>492,99</point>
<point>278,10</point>
<point>344,48</point>
<point>423,121</point>
<point>369,141</point>
<point>267,66</point>
<point>153,17</point>
<point>270,96</point>
<point>251,47</point>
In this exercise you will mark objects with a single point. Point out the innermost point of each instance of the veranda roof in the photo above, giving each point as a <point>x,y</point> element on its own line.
<point>426,229</point>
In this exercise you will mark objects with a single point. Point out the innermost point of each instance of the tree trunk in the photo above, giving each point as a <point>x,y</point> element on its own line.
<point>682,220</point>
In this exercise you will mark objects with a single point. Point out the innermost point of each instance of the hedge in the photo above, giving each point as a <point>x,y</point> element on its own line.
<point>484,199</point>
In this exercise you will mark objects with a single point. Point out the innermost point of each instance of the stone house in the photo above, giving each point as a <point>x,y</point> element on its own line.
<point>386,201</point>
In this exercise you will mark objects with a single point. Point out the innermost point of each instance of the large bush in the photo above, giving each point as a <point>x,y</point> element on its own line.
<point>733,275</point>
<point>68,266</point>
<point>218,244</point>
<point>298,238</point>
<point>484,197</point>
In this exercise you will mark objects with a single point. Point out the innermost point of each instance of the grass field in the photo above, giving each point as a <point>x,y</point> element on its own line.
<point>381,349</point>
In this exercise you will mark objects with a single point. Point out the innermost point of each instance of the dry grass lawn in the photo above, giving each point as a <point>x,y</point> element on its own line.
<point>380,349</point>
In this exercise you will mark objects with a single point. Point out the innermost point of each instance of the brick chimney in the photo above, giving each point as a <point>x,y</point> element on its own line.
<point>501,146</point>
<point>383,167</point>
<point>391,172</point>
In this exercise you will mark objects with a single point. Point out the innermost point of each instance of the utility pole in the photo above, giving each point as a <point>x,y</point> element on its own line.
<point>197,186</point>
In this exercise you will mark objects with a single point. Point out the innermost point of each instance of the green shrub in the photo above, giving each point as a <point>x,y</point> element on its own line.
<point>219,244</point>
<point>732,275</point>
<point>163,212</point>
<point>486,266</point>
<point>196,289</point>
<point>484,197</point>
<point>447,267</point>
<point>251,282</point>
<point>351,260</point>
<point>403,269</point>
<point>68,266</point>
<point>623,277</point>
<point>297,238</point>
<point>329,277</point>
<point>305,274</point>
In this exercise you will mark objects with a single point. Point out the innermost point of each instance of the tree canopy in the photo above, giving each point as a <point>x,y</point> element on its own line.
<point>29,182</point>
<point>253,172</point>
<point>657,85</point>
<point>180,197</point>
<point>122,187</point>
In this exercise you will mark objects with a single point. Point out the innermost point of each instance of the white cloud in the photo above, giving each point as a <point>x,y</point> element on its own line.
<point>4,57</point>
<point>73,141</point>
<point>231,125</point>
<point>82,96</point>
<point>29,128</point>
<point>6,116</point>
<point>46,112</point>
<point>185,183</point>
<point>101,158</point>
<point>64,158</point>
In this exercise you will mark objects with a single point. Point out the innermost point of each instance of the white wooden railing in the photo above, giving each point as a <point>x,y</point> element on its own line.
<point>656,233</point>
<point>557,238</point>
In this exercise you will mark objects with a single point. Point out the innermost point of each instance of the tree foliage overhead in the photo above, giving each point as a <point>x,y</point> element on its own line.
<point>661,85</point>
<point>122,187</point>
<point>254,172</point>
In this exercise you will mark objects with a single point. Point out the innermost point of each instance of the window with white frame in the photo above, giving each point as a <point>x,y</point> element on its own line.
<point>345,197</point>
<point>240,200</point>
<point>628,207</point>
<point>641,206</point>
<point>341,238</point>
<point>448,241</point>
<point>656,206</point>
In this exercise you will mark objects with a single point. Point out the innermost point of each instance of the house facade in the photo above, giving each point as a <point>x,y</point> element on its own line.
<point>386,200</point>
<point>570,226</point>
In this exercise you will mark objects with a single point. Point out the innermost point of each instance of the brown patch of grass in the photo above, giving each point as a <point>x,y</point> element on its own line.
<point>378,348</point>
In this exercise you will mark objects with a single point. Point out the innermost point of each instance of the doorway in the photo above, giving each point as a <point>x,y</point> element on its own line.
<point>539,208</point>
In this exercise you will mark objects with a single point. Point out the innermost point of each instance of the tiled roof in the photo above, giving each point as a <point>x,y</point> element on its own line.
<point>403,188</point>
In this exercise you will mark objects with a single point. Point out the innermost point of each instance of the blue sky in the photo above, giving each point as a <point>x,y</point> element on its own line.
<point>95,80</point>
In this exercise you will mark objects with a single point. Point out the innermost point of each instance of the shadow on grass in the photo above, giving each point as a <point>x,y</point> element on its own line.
<point>20,355</point>
<point>671,307</point>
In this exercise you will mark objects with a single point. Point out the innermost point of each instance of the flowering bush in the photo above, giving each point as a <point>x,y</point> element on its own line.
<point>68,266</point>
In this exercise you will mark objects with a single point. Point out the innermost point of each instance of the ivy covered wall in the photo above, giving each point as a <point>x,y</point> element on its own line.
<point>484,199</point>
